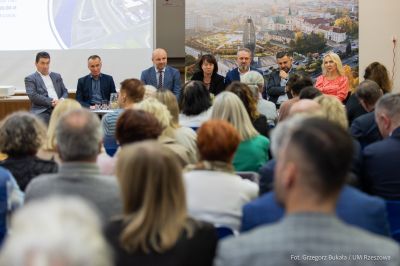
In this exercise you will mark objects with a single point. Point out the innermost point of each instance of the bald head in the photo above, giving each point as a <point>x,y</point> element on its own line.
<point>305,106</point>
<point>159,58</point>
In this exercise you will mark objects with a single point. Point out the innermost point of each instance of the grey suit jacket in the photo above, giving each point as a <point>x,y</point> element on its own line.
<point>81,180</point>
<point>308,239</point>
<point>37,91</point>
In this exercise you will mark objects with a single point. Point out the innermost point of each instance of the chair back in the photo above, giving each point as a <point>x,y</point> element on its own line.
<point>393,211</point>
<point>252,176</point>
<point>110,145</point>
<point>225,231</point>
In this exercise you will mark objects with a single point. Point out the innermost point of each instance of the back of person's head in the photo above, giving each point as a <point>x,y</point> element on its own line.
<point>217,140</point>
<point>42,54</point>
<point>387,113</point>
<point>305,106</point>
<point>78,136</point>
<point>195,98</point>
<point>378,73</point>
<point>297,82</point>
<point>255,81</point>
<point>309,92</point>
<point>150,91</point>
<point>167,98</point>
<point>209,58</point>
<point>56,231</point>
<point>159,110</point>
<point>153,197</point>
<point>228,106</point>
<point>21,134</point>
<point>61,108</point>
<point>369,92</point>
<point>133,89</point>
<point>136,125</point>
<point>246,96</point>
<point>322,151</point>
<point>333,110</point>
<point>336,59</point>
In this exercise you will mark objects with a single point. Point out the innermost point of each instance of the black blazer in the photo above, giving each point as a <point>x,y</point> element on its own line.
<point>84,89</point>
<point>217,82</point>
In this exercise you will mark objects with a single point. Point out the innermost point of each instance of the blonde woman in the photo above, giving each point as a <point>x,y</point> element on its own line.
<point>155,228</point>
<point>167,138</point>
<point>48,150</point>
<point>252,152</point>
<point>185,136</point>
<point>333,80</point>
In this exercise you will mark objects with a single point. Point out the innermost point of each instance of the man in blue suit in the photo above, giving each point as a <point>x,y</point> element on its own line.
<point>44,88</point>
<point>243,61</point>
<point>161,75</point>
<point>381,159</point>
<point>96,87</point>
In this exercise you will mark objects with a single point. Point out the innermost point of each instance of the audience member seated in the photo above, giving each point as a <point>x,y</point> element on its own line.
<point>131,92</point>
<point>21,136</point>
<point>95,87</point>
<point>252,152</point>
<point>294,86</point>
<point>375,72</point>
<point>56,231</point>
<point>353,207</point>
<point>132,126</point>
<point>48,150</point>
<point>364,127</point>
<point>311,171</point>
<point>11,198</point>
<point>277,79</point>
<point>244,93</point>
<point>333,81</point>
<point>167,137</point>
<point>194,104</point>
<point>155,228</point>
<point>214,192</point>
<point>255,81</point>
<point>306,106</point>
<point>78,137</point>
<point>185,136</point>
<point>381,159</point>
<point>309,92</point>
<point>207,72</point>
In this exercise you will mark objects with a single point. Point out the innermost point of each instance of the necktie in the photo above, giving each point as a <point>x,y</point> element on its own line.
<point>160,80</point>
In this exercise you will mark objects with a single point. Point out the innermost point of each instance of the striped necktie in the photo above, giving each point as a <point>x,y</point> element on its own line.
<point>160,79</point>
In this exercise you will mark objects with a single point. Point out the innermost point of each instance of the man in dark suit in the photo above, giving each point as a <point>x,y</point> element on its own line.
<point>243,61</point>
<point>381,159</point>
<point>161,75</point>
<point>44,88</point>
<point>96,87</point>
<point>364,128</point>
<point>277,80</point>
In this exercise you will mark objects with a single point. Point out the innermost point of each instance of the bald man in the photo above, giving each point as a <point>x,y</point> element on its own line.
<point>160,75</point>
<point>305,106</point>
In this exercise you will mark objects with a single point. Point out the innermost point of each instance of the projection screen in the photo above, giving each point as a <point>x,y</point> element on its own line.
<point>119,31</point>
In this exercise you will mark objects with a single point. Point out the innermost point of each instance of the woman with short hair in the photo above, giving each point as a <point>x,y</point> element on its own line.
<point>208,68</point>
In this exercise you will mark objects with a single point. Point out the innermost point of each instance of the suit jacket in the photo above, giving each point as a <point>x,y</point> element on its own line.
<point>37,91</point>
<point>274,88</point>
<point>353,207</point>
<point>217,82</point>
<point>353,108</point>
<point>234,75</point>
<point>82,180</point>
<point>307,238</point>
<point>84,89</point>
<point>381,167</point>
<point>172,79</point>
<point>365,129</point>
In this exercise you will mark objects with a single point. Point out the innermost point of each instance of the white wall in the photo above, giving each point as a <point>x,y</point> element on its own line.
<point>379,21</point>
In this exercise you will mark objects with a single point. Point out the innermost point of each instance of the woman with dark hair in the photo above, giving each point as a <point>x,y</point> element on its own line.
<point>155,227</point>
<point>375,72</point>
<point>194,104</point>
<point>258,120</point>
<point>208,68</point>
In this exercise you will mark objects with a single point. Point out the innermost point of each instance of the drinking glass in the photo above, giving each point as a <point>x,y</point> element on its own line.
<point>114,101</point>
